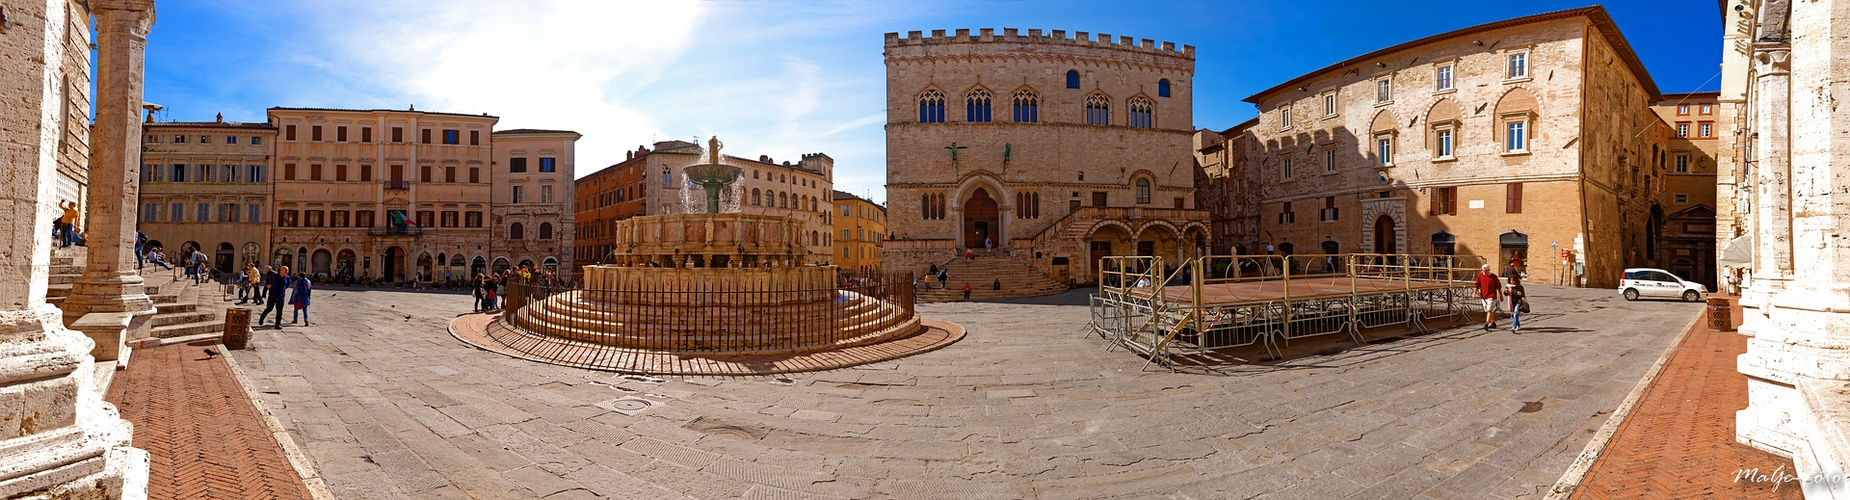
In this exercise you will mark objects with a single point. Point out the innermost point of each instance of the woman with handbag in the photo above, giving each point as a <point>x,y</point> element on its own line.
<point>1518,302</point>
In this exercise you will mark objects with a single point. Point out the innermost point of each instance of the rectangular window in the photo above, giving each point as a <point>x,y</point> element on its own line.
<point>204,173</point>
<point>1384,148</point>
<point>314,172</point>
<point>288,171</point>
<point>545,194</point>
<point>1329,161</point>
<point>517,165</point>
<point>1329,104</point>
<point>475,138</point>
<point>1705,130</point>
<point>398,134</point>
<point>449,174</point>
<point>1284,116</point>
<point>449,137</point>
<point>253,212</point>
<point>1707,109</point>
<point>426,136</point>
<point>1682,109</point>
<point>1329,213</point>
<point>204,213</point>
<point>1444,201</point>
<point>424,173</point>
<point>1517,139</point>
<point>1682,164</point>
<point>205,139</point>
<point>313,218</point>
<point>366,134</point>
<point>517,193</point>
<point>472,219</point>
<point>1384,90</point>
<point>1519,65</point>
<point>366,173</point>
<point>314,133</point>
<point>150,212</point>
<point>228,173</point>
<point>1287,168</point>
<point>231,139</point>
<point>450,218</point>
<point>1512,196</point>
<point>475,175</point>
<point>256,173</point>
<point>181,139</point>
<point>286,218</point>
<point>1682,129</point>
<point>1682,199</point>
<point>179,173</point>
<point>289,132</point>
<point>1442,78</point>
<point>363,218</point>
<point>427,218</point>
<point>844,235</point>
<point>228,212</point>
<point>546,164</point>
<point>176,212</point>
<point>340,133</point>
<point>340,172</point>
<point>339,218</point>
<point>1287,216</point>
<point>1443,138</point>
<point>256,140</point>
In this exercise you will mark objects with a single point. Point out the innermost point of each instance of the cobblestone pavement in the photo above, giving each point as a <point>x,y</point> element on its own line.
<point>203,437</point>
<point>388,405</point>
<point>1679,440</point>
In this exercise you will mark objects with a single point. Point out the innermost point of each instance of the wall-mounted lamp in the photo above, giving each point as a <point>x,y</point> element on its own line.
<point>1479,43</point>
<point>1381,65</point>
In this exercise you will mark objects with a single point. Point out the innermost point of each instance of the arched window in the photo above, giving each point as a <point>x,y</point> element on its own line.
<point>1141,114</point>
<point>1143,190</point>
<point>755,199</point>
<point>812,204</point>
<point>1098,110</point>
<point>515,232</point>
<point>976,106</point>
<point>814,239</point>
<point>665,178</point>
<point>545,230</point>
<point>1027,107</point>
<point>1162,88</point>
<point>931,107</point>
<point>783,200</point>
<point>1072,79</point>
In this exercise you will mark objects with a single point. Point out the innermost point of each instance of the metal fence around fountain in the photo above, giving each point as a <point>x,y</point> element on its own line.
<point>750,318</point>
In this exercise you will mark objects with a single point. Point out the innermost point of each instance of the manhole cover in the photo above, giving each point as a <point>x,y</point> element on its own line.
<point>628,406</point>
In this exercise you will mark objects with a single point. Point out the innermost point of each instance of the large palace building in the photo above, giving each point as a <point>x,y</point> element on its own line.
<point>205,186</point>
<point>1054,150</point>
<point>1519,138</point>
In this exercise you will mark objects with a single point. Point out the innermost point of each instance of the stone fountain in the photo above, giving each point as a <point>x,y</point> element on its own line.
<point>712,286</point>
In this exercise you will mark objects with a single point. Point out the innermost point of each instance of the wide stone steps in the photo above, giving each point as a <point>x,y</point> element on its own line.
<point>556,313</point>
<point>1018,280</point>
<point>644,314</point>
<point>870,325</point>
<point>188,329</point>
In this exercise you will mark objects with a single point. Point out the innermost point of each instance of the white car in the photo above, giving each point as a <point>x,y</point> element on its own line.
<point>1647,282</point>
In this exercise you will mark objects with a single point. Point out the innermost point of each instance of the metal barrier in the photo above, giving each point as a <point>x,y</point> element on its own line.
<point>1226,301</point>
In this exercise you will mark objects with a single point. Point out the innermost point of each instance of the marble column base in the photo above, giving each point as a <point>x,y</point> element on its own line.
<point>113,293</point>
<point>1798,390</point>
<point>60,439</point>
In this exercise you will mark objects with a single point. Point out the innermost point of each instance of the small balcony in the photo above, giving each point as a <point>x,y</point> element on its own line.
<point>408,230</point>
<point>399,185</point>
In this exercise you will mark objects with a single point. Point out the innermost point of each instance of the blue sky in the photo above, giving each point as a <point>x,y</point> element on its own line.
<point>774,78</point>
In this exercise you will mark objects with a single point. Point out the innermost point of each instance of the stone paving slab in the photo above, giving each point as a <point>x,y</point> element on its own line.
<point>1027,405</point>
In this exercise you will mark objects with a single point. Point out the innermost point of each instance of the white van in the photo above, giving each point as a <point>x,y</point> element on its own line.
<point>1647,282</point>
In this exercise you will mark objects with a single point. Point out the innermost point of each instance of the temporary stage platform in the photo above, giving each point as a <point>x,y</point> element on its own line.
<point>1226,301</point>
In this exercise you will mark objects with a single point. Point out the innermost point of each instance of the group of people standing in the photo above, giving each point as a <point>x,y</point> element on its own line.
<point>269,286</point>
<point>490,288</point>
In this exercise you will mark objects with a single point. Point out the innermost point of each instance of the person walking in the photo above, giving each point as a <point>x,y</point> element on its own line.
<point>66,222</point>
<point>989,245</point>
<point>475,288</point>
<point>944,277</point>
<point>299,298</point>
<point>275,285</point>
<point>1517,300</point>
<point>141,242</point>
<point>199,265</point>
<point>1488,290</point>
<point>969,255</point>
<point>244,285</point>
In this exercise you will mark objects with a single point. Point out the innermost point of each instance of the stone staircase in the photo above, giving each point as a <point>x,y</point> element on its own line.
<point>184,312</point>
<point>981,273</point>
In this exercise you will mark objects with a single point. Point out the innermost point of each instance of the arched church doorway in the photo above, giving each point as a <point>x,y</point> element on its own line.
<point>981,219</point>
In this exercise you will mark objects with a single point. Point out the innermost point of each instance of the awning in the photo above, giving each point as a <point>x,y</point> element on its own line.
<point>1737,252</point>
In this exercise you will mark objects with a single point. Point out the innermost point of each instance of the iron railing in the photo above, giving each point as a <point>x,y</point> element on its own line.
<point>605,328</point>
<point>398,231</point>
<point>398,184</point>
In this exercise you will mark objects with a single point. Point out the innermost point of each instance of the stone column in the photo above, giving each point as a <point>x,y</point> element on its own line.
<point>110,283</point>
<point>1772,136</point>
<point>58,438</point>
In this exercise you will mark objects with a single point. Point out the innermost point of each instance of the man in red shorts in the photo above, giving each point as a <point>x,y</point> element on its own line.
<point>1489,290</point>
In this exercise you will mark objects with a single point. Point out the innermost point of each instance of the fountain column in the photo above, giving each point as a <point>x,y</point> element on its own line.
<point>110,283</point>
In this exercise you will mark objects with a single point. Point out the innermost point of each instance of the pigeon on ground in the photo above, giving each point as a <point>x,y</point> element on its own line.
<point>210,353</point>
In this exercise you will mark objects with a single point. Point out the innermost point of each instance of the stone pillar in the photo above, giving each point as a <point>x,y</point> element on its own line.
<point>110,282</point>
<point>58,438</point>
<point>1772,136</point>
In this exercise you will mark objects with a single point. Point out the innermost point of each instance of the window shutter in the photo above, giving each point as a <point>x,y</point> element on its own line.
<point>1432,203</point>
<point>1451,201</point>
<point>1515,198</point>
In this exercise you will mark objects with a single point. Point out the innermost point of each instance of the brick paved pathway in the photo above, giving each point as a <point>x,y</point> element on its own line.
<point>204,438</point>
<point>1678,441</point>
<point>388,405</point>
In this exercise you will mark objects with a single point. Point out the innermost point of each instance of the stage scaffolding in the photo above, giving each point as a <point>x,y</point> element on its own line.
<point>1155,309</point>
